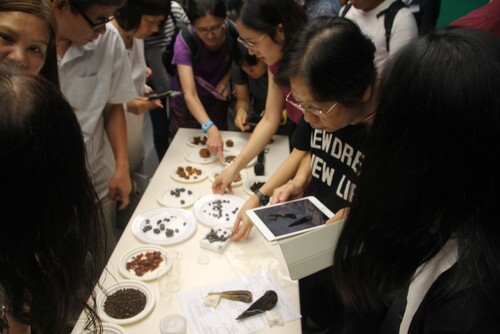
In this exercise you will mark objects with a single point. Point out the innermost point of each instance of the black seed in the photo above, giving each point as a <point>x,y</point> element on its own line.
<point>125,303</point>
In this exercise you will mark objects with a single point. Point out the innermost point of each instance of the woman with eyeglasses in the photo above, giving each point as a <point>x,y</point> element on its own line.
<point>266,28</point>
<point>28,37</point>
<point>136,20</point>
<point>204,76</point>
<point>334,89</point>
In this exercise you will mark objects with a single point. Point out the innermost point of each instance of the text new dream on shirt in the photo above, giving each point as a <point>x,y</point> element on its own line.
<point>341,151</point>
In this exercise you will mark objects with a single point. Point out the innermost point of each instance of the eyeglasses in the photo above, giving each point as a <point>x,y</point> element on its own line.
<point>205,31</point>
<point>92,24</point>
<point>303,107</point>
<point>251,45</point>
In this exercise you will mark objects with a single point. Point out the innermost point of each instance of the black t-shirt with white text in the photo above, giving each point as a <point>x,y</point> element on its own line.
<point>336,159</point>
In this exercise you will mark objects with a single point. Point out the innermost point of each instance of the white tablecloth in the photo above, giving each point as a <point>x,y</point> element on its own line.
<point>220,267</point>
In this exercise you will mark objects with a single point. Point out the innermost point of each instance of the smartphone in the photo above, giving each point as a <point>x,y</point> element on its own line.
<point>156,96</point>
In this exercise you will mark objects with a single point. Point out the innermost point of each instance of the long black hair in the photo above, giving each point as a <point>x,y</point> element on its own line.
<point>266,15</point>
<point>129,15</point>
<point>51,242</point>
<point>85,4</point>
<point>333,58</point>
<point>431,172</point>
<point>200,8</point>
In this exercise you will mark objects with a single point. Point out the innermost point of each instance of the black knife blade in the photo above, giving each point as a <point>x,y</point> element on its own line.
<point>259,166</point>
<point>302,220</point>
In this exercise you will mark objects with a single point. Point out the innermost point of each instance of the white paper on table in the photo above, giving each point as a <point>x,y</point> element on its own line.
<point>209,320</point>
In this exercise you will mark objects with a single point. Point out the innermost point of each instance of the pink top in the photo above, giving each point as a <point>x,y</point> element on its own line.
<point>292,113</point>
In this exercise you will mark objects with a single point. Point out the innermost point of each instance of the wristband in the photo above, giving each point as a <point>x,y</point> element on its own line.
<point>263,199</point>
<point>205,126</point>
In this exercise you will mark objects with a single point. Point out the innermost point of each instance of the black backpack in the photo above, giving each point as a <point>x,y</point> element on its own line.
<point>389,15</point>
<point>187,36</point>
<point>168,53</point>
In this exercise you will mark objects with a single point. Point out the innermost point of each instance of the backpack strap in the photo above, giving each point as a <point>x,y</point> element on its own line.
<point>232,38</point>
<point>389,15</point>
<point>188,38</point>
<point>345,10</point>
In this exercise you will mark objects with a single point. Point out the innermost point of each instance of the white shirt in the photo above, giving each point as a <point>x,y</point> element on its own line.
<point>423,279</point>
<point>91,76</point>
<point>404,29</point>
<point>135,123</point>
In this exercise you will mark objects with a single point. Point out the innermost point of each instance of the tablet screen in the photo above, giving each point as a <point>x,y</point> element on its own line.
<point>289,218</point>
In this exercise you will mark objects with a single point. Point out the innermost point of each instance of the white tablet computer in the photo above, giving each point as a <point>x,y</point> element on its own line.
<point>286,219</point>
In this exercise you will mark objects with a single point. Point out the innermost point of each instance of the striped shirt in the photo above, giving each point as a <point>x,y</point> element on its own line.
<point>165,34</point>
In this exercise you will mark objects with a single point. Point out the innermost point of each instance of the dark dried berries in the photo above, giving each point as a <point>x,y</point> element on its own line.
<point>125,303</point>
<point>169,232</point>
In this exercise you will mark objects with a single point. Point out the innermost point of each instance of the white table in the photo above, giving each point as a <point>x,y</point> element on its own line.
<point>193,273</point>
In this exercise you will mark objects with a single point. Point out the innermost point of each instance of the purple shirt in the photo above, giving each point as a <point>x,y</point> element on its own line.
<point>211,67</point>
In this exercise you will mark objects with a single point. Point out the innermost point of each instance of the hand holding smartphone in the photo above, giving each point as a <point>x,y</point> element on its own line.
<point>157,96</point>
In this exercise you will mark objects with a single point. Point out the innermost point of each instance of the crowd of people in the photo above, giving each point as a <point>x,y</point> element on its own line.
<point>413,112</point>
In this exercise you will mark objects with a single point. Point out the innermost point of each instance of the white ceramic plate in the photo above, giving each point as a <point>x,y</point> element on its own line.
<point>218,210</point>
<point>251,181</point>
<point>217,170</point>
<point>190,140</point>
<point>162,269</point>
<point>233,153</point>
<point>127,284</point>
<point>191,178</point>
<point>194,156</point>
<point>238,143</point>
<point>146,227</point>
<point>108,328</point>
<point>177,196</point>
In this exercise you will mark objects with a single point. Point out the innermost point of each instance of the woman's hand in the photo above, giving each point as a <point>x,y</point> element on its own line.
<point>288,191</point>
<point>141,104</point>
<point>341,214</point>
<point>222,182</point>
<point>222,89</point>
<point>241,120</point>
<point>215,143</point>
<point>148,90</point>
<point>119,187</point>
<point>243,225</point>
